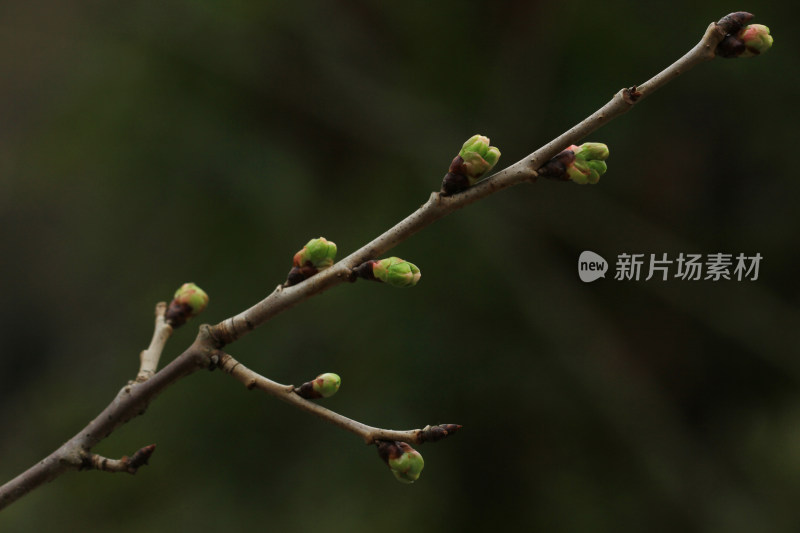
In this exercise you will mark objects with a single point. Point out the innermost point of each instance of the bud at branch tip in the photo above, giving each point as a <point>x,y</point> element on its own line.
<point>741,40</point>
<point>189,301</point>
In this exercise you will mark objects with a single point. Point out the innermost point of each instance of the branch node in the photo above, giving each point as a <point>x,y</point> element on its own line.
<point>631,95</point>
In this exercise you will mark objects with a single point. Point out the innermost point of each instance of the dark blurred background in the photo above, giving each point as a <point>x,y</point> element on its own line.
<point>149,144</point>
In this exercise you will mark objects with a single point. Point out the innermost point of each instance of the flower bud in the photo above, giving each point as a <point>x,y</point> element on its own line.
<point>749,41</point>
<point>474,160</point>
<point>589,163</point>
<point>320,253</point>
<point>405,462</point>
<point>591,151</point>
<point>189,301</point>
<point>317,254</point>
<point>757,40</point>
<point>396,272</point>
<point>478,157</point>
<point>323,386</point>
<point>582,164</point>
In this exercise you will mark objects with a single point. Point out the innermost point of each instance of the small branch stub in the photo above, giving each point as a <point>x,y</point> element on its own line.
<point>131,465</point>
<point>190,300</point>
<point>405,462</point>
<point>316,255</point>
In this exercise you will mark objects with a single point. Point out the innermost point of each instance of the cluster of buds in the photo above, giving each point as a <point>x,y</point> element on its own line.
<point>405,462</point>
<point>316,255</point>
<point>741,40</point>
<point>582,164</point>
<point>475,159</point>
<point>189,301</point>
<point>323,386</point>
<point>392,271</point>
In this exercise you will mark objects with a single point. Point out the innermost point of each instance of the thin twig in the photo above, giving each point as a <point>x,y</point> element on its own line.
<point>286,393</point>
<point>149,358</point>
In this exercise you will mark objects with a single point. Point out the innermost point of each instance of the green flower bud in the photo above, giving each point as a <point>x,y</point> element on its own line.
<point>190,300</point>
<point>319,252</point>
<point>475,159</point>
<point>588,165</point>
<point>194,296</point>
<point>744,41</point>
<point>476,143</point>
<point>589,151</point>
<point>396,272</point>
<point>316,255</point>
<point>756,38</point>
<point>405,462</point>
<point>327,384</point>
<point>323,386</point>
<point>478,157</point>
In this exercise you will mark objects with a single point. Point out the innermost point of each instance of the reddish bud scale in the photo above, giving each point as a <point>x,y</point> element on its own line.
<point>389,450</point>
<point>730,47</point>
<point>365,271</point>
<point>556,168</point>
<point>455,180</point>
<point>306,390</point>
<point>300,273</point>
<point>733,22</point>
<point>141,457</point>
<point>178,313</point>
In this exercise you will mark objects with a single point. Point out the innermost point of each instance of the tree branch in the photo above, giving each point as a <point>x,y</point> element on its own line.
<point>439,205</point>
<point>286,393</point>
<point>130,402</point>
<point>134,398</point>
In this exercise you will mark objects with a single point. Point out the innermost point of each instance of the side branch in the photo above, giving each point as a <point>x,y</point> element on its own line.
<point>286,393</point>
<point>149,358</point>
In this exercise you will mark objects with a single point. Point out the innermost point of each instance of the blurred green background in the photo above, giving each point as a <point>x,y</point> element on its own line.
<point>148,144</point>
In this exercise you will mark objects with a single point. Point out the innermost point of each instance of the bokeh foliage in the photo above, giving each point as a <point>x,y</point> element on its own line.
<point>148,144</point>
